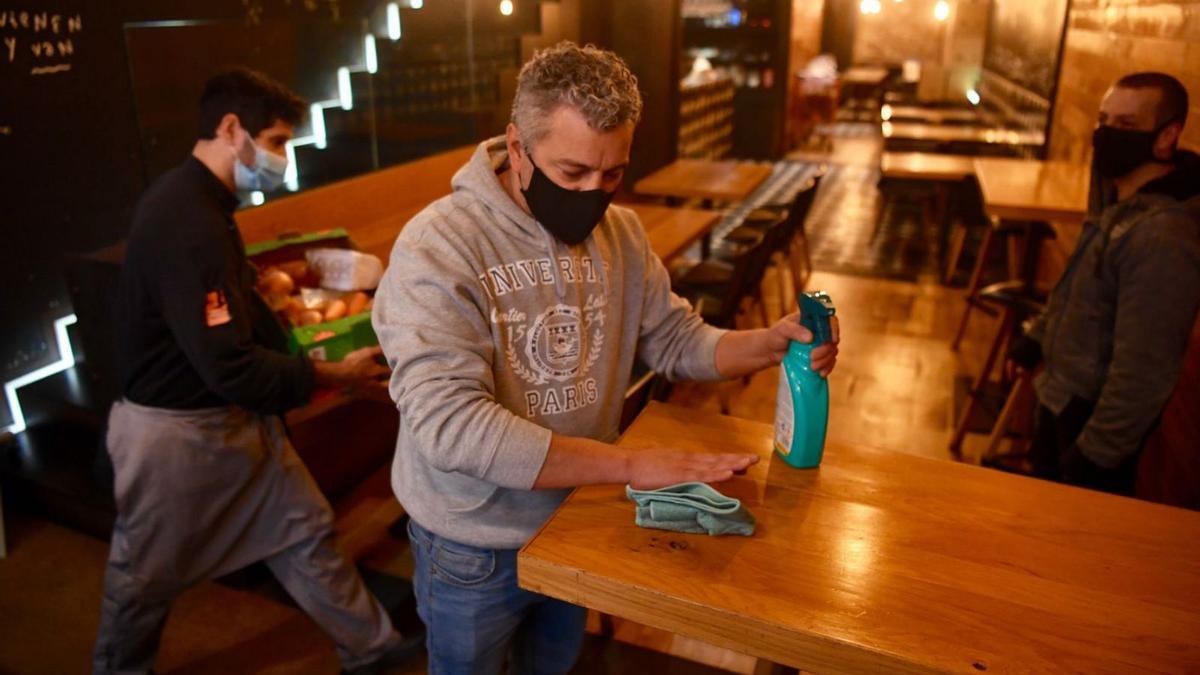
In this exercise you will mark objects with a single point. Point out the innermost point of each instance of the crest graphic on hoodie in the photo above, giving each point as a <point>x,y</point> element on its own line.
<point>558,345</point>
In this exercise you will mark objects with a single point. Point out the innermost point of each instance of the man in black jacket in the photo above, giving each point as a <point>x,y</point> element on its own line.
<point>206,481</point>
<point>1116,327</point>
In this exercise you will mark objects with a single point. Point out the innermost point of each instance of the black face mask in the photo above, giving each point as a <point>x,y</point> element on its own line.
<point>1116,152</point>
<point>570,215</point>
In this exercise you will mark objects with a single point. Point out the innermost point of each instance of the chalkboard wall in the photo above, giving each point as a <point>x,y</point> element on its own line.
<point>1024,41</point>
<point>97,99</point>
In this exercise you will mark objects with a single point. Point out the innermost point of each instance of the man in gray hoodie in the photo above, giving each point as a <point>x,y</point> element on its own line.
<point>1117,324</point>
<point>511,313</point>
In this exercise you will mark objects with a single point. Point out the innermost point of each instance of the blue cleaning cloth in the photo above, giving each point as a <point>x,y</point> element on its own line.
<point>691,507</point>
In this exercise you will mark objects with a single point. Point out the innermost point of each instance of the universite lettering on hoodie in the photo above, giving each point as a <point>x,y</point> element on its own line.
<point>498,335</point>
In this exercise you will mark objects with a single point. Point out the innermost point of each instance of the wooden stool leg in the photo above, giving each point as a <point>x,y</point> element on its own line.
<point>1014,258</point>
<point>783,266</point>
<point>1018,393</point>
<point>956,247</point>
<point>799,273</point>
<point>808,267</point>
<point>607,627</point>
<point>978,386</point>
<point>985,250</point>
<point>763,313</point>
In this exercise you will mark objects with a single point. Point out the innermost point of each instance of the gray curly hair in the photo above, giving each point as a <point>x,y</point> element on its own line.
<point>593,81</point>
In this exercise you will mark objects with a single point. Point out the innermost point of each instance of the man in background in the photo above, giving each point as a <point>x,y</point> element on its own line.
<point>206,480</point>
<point>1116,327</point>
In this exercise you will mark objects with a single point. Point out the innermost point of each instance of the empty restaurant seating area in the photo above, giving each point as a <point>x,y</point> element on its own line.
<point>601,336</point>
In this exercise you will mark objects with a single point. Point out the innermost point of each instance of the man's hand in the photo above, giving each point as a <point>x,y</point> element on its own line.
<point>653,469</point>
<point>749,351</point>
<point>359,368</point>
<point>1025,354</point>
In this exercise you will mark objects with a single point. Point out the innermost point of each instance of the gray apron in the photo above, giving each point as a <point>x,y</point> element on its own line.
<point>201,493</point>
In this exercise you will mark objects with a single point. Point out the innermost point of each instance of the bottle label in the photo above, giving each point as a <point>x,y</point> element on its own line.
<point>785,420</point>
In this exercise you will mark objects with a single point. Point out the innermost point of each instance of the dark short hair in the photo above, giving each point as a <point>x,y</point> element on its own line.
<point>1173,99</point>
<point>257,100</point>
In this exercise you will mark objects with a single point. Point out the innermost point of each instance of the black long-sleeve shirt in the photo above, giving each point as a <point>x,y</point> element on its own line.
<point>193,332</point>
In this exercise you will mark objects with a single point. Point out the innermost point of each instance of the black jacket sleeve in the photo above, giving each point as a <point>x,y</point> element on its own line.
<point>204,293</point>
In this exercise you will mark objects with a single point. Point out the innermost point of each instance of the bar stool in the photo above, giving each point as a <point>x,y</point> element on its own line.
<point>1022,388</point>
<point>1015,301</point>
<point>771,226</point>
<point>1021,265</point>
<point>798,249</point>
<point>789,248</point>
<point>719,288</point>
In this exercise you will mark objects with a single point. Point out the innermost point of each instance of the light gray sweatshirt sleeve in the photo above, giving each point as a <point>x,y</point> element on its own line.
<point>1156,307</point>
<point>673,339</point>
<point>431,318</point>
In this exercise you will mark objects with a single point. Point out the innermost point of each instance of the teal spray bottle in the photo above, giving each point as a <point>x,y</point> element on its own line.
<point>802,404</point>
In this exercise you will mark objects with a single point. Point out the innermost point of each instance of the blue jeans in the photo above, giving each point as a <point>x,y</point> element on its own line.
<point>476,617</point>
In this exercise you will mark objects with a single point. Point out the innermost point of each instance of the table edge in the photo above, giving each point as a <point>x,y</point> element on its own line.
<point>555,580</point>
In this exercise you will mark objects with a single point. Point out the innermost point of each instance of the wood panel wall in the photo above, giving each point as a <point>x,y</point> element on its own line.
<point>950,51</point>
<point>1106,40</point>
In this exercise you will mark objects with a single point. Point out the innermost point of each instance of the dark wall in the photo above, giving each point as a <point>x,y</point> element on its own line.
<point>72,167</point>
<point>75,156</point>
<point>97,98</point>
<point>837,30</point>
<point>647,36</point>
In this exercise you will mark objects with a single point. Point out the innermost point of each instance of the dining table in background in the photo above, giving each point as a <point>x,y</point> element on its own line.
<point>711,181</point>
<point>671,230</point>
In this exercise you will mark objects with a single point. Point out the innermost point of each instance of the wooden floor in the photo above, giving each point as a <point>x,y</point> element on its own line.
<point>892,389</point>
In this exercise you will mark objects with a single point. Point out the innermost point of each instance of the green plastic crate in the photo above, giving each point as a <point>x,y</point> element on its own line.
<point>333,340</point>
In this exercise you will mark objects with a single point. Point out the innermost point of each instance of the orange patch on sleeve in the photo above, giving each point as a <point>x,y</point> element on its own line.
<point>216,309</point>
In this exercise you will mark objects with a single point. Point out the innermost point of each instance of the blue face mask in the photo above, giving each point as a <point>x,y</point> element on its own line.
<point>266,174</point>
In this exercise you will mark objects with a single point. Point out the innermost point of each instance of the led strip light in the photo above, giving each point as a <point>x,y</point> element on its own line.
<point>345,101</point>
<point>66,359</point>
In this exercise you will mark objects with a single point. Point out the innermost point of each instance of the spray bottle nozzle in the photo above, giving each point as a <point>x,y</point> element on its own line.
<point>815,310</point>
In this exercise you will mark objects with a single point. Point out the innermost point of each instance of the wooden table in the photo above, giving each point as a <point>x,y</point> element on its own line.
<point>672,230</point>
<point>862,90</point>
<point>1030,189</point>
<point>913,113</point>
<point>710,180</point>
<point>886,562</point>
<point>946,172</point>
<point>864,76</point>
<point>938,133</point>
<point>926,166</point>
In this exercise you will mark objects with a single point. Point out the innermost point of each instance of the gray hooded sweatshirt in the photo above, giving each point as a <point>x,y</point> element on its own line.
<point>498,334</point>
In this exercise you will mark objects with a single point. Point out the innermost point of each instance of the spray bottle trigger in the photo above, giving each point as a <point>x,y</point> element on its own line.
<point>815,310</point>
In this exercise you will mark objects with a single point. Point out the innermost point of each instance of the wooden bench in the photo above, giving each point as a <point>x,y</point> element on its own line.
<point>1169,470</point>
